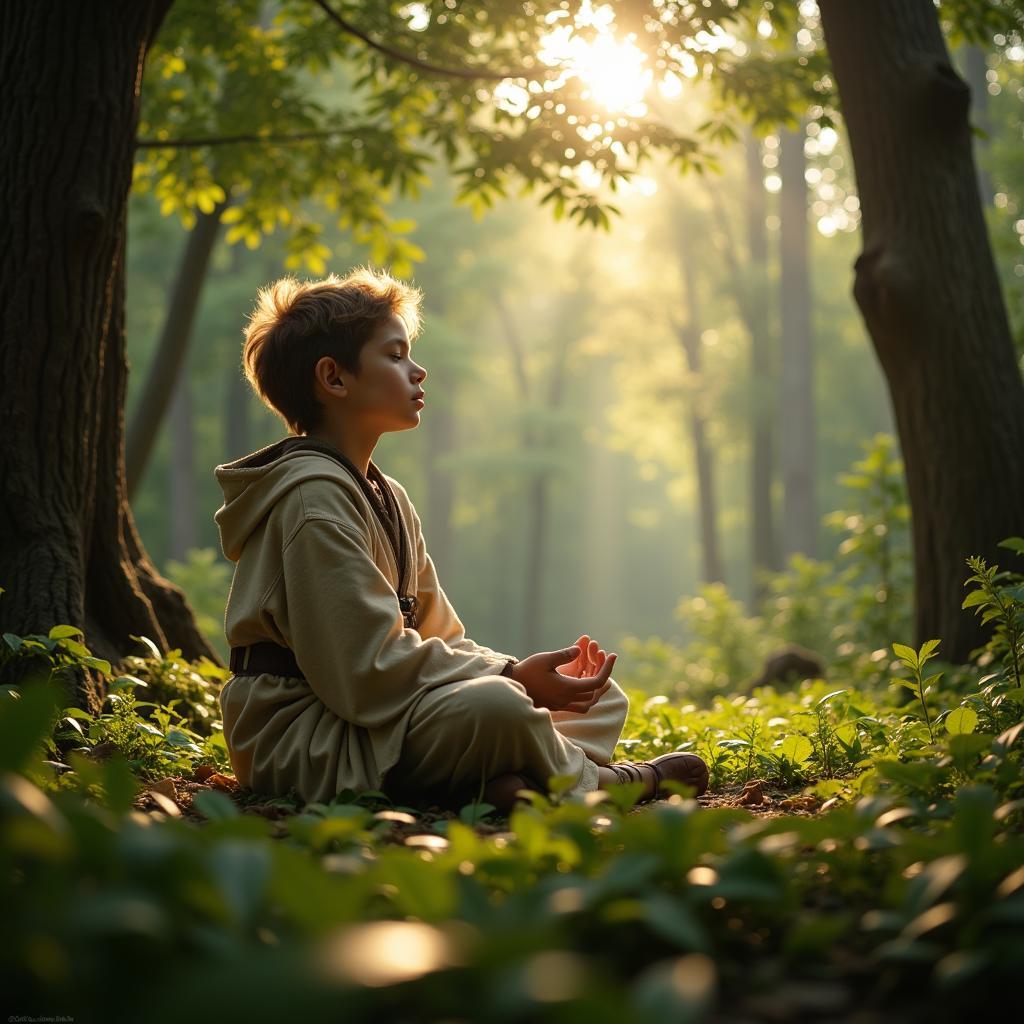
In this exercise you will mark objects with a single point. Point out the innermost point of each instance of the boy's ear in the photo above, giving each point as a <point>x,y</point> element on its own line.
<point>329,375</point>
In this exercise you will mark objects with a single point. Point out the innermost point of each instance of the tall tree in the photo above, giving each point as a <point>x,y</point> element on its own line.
<point>181,480</point>
<point>927,287</point>
<point>689,332</point>
<point>64,518</point>
<point>797,449</point>
<point>172,348</point>
<point>762,370</point>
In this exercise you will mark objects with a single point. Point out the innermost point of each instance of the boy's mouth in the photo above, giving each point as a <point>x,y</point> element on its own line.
<point>418,397</point>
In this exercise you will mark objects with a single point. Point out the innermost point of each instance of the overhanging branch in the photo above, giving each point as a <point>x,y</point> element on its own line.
<point>243,139</point>
<point>466,74</point>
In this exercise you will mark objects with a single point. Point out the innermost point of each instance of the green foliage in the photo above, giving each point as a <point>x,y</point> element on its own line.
<point>897,901</point>
<point>915,661</point>
<point>998,598</point>
<point>846,610</point>
<point>206,580</point>
<point>906,891</point>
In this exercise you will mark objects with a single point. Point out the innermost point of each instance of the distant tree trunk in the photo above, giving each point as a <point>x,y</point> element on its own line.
<point>538,491</point>
<point>927,287</point>
<point>238,400</point>
<point>182,478</point>
<point>977,70</point>
<point>536,502</point>
<point>797,428</point>
<point>750,289</point>
<point>237,394</point>
<point>69,552</point>
<point>172,348</point>
<point>763,389</point>
<point>689,333</point>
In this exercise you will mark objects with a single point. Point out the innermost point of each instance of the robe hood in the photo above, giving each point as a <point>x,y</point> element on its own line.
<point>254,484</point>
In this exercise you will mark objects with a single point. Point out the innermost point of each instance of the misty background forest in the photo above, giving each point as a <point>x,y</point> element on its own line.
<point>556,467</point>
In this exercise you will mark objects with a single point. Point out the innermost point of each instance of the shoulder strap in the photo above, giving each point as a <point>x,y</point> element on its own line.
<point>385,506</point>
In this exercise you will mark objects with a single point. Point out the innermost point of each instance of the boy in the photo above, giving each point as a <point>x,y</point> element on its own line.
<point>351,668</point>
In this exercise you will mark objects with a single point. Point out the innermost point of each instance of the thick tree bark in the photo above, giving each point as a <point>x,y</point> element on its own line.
<point>927,288</point>
<point>68,550</point>
<point>172,348</point>
<point>797,450</point>
<point>689,333</point>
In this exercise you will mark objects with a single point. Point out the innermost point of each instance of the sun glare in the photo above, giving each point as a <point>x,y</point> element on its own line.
<point>612,70</point>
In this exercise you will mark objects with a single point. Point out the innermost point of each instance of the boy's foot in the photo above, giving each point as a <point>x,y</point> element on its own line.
<point>502,789</point>
<point>684,768</point>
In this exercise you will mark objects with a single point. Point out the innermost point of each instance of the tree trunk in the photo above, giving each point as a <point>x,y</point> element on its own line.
<point>927,288</point>
<point>797,429</point>
<point>763,390</point>
<point>236,415</point>
<point>173,345</point>
<point>68,548</point>
<point>690,338</point>
<point>182,478</point>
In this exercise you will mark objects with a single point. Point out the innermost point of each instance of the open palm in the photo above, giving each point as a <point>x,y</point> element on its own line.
<point>587,663</point>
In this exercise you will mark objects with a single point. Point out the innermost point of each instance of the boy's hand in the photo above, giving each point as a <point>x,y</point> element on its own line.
<point>549,688</point>
<point>587,661</point>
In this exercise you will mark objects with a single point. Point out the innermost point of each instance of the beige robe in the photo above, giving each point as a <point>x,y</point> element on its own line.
<point>315,572</point>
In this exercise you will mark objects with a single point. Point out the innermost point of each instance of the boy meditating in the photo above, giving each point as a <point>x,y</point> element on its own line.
<point>351,669</point>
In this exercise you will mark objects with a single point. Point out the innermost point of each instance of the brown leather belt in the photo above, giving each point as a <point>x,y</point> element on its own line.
<point>265,658</point>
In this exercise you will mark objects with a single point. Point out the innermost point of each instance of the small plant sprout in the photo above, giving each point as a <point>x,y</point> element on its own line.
<point>915,661</point>
<point>998,597</point>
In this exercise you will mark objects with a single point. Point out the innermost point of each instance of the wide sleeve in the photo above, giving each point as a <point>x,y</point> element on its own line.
<point>437,617</point>
<point>344,625</point>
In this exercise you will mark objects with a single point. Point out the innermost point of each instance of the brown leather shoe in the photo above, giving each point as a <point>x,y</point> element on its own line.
<point>682,767</point>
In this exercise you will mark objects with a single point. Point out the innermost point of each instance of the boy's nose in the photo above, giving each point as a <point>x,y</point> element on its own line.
<point>420,374</point>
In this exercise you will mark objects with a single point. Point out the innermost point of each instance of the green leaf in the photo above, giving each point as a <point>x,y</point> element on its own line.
<point>906,654</point>
<point>828,697</point>
<point>961,721</point>
<point>214,805</point>
<point>61,632</point>
<point>12,641</point>
<point>1013,544</point>
<point>797,749</point>
<point>974,598</point>
<point>154,651</point>
<point>672,920</point>
<point>926,651</point>
<point>25,723</point>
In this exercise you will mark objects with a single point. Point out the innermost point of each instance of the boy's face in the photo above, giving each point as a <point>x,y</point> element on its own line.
<point>387,393</point>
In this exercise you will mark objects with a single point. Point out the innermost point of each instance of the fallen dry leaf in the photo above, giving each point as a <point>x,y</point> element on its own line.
<point>165,787</point>
<point>753,795</point>
<point>225,783</point>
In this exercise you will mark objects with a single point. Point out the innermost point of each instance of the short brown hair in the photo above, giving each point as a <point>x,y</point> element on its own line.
<point>296,323</point>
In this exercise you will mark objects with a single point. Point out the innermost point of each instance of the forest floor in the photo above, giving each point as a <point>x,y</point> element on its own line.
<point>173,797</point>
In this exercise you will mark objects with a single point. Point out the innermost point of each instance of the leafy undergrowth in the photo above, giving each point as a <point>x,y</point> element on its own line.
<point>854,860</point>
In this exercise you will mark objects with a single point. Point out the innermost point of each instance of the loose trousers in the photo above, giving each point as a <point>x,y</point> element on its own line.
<point>463,734</point>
